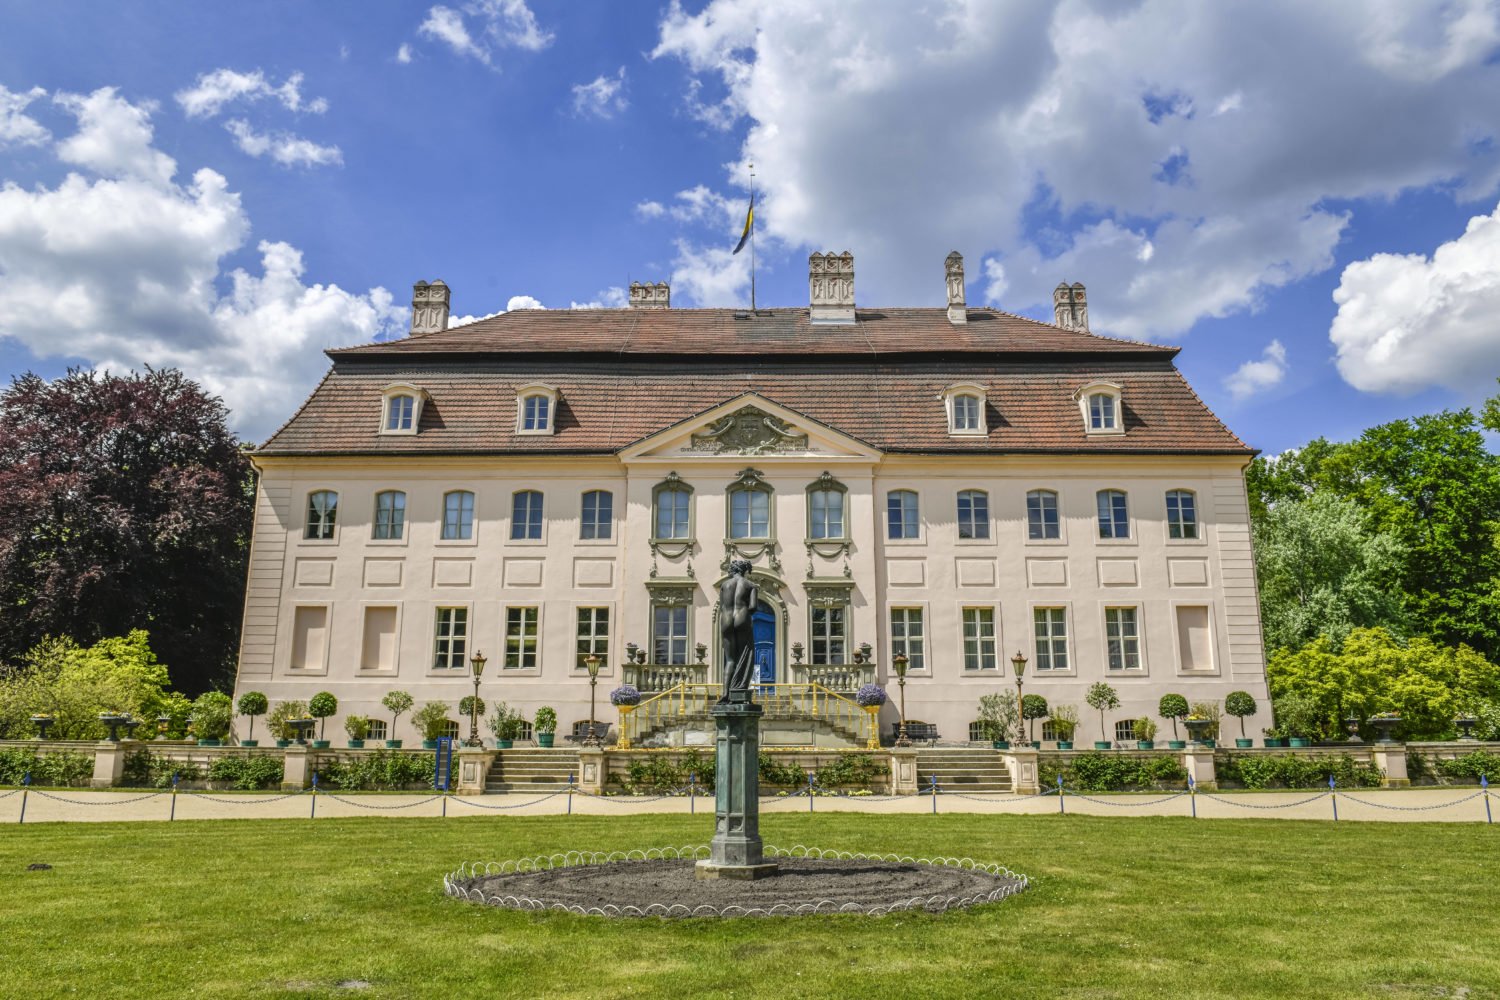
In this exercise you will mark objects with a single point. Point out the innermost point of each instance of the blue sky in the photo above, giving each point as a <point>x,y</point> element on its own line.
<point>232,188</point>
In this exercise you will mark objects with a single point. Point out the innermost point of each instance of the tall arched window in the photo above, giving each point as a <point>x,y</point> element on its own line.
<point>1182,514</point>
<point>902,516</point>
<point>1114,514</point>
<point>458,515</point>
<point>390,515</point>
<point>598,515</point>
<point>827,518</point>
<point>322,514</point>
<point>1041,515</point>
<point>526,515</point>
<point>973,514</point>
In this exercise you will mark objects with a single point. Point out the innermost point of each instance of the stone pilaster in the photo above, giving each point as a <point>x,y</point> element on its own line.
<point>109,762</point>
<point>295,772</point>
<point>1021,762</point>
<point>1199,762</point>
<point>593,771</point>
<point>735,851</point>
<point>1391,759</point>
<point>903,771</point>
<point>473,769</point>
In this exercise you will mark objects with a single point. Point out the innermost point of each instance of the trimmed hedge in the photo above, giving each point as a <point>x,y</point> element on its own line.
<point>1291,771</point>
<point>1102,772</point>
<point>60,768</point>
<point>383,770</point>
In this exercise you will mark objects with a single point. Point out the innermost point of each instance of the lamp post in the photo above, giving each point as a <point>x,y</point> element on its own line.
<point>592,663</point>
<point>900,661</point>
<point>476,662</point>
<point>1018,664</point>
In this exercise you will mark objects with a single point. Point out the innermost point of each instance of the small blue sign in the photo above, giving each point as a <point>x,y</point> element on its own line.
<point>444,764</point>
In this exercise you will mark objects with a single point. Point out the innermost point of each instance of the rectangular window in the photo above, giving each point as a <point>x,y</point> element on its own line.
<point>309,638</point>
<point>1125,731</point>
<point>966,413</point>
<point>979,639</point>
<point>901,514</point>
<point>1102,411</point>
<point>593,634</point>
<point>458,514</point>
<point>1123,638</point>
<point>399,416</point>
<point>909,637</point>
<point>1114,514</point>
<point>973,514</point>
<point>534,416</point>
<point>526,515</point>
<point>450,647</point>
<point>377,730</point>
<point>749,514</point>
<point>598,515</point>
<point>1051,638</point>
<point>520,638</point>
<point>672,514</point>
<point>378,647</point>
<point>1182,514</point>
<point>1041,515</point>
<point>827,512</point>
<point>669,634</point>
<point>1194,639</point>
<point>1049,731</point>
<point>322,514</point>
<point>390,514</point>
<point>828,636</point>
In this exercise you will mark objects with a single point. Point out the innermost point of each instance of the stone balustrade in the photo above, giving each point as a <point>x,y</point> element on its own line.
<point>651,678</point>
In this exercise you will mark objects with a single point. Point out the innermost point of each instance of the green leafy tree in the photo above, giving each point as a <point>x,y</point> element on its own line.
<point>1102,698</point>
<point>212,713</point>
<point>1240,704</point>
<point>397,702</point>
<point>74,683</point>
<point>1033,707</point>
<point>1172,707</point>
<point>320,707</point>
<point>253,703</point>
<point>1323,571</point>
<point>999,715</point>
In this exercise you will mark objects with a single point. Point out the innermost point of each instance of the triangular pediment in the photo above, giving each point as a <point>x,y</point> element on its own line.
<point>750,426</point>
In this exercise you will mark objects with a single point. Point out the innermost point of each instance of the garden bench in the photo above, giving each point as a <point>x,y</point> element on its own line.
<point>916,731</point>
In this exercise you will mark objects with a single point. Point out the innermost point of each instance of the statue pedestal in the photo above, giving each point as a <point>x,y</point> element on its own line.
<point>735,851</point>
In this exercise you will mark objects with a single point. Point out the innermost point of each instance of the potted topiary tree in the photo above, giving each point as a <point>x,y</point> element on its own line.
<point>1065,724</point>
<point>1298,715</point>
<point>1240,704</point>
<point>1173,707</point>
<point>998,718</point>
<point>279,721</point>
<point>1102,698</point>
<point>358,727</point>
<point>467,702</point>
<point>212,713</point>
<point>252,703</point>
<point>505,722</point>
<point>397,703</point>
<point>545,726</point>
<point>431,719</point>
<point>1145,733</point>
<point>1033,707</point>
<point>321,707</point>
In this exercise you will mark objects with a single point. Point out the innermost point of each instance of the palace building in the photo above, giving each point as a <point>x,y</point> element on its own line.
<point>951,484</point>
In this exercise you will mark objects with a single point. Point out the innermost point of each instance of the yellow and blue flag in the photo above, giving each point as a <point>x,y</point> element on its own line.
<point>749,225</point>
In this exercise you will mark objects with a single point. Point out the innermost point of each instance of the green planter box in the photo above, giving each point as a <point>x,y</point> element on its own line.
<point>503,744</point>
<point>283,743</point>
<point>393,744</point>
<point>356,744</point>
<point>1243,744</point>
<point>1299,741</point>
<point>208,743</point>
<point>1000,744</point>
<point>429,744</point>
<point>249,743</point>
<point>544,740</point>
<point>1273,742</point>
<point>1102,744</point>
<point>321,744</point>
<point>1064,744</point>
<point>1145,744</point>
<point>1176,744</point>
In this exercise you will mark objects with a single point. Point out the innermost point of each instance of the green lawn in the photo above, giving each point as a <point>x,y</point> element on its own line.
<point>1133,907</point>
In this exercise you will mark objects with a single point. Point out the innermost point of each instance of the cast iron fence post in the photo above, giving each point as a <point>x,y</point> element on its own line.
<point>1193,795</point>
<point>1060,807</point>
<point>314,813</point>
<point>932,779</point>
<point>172,816</point>
<point>1333,796</point>
<point>26,790</point>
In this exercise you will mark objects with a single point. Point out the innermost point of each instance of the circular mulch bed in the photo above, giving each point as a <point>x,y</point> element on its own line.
<point>661,882</point>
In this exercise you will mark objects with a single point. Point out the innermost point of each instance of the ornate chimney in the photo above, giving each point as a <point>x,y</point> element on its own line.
<point>830,281</point>
<point>429,307</point>
<point>1070,306</point>
<point>649,296</point>
<point>953,269</point>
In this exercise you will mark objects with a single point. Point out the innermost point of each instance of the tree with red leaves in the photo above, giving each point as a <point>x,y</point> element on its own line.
<point>125,503</point>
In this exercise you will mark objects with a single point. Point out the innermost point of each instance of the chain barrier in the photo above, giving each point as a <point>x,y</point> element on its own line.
<point>385,808</point>
<point>114,800</point>
<point>511,805</point>
<point>1266,805</point>
<point>1439,805</point>
<point>1127,804</point>
<point>240,800</point>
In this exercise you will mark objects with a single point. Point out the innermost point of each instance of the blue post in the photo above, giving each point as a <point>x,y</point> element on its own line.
<point>809,793</point>
<point>445,805</point>
<point>570,795</point>
<point>1193,795</point>
<point>692,793</point>
<point>171,816</point>
<point>314,797</point>
<point>933,779</point>
<point>1060,807</point>
<point>1484,783</point>
<point>1333,796</point>
<point>26,790</point>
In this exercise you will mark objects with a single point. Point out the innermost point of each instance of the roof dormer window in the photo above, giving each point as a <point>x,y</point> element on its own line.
<point>1102,413</point>
<point>536,409</point>
<point>965,404</point>
<point>401,409</point>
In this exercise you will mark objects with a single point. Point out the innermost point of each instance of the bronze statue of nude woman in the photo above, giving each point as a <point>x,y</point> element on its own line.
<point>738,597</point>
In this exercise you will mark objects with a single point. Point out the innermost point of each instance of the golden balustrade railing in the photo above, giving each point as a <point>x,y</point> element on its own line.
<point>684,702</point>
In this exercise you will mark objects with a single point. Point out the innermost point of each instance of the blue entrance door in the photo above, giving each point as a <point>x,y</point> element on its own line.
<point>764,624</point>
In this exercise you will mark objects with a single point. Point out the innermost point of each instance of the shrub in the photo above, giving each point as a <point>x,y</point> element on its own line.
<point>773,772</point>
<point>505,722</point>
<point>284,710</point>
<point>357,726</point>
<point>1292,771</point>
<point>64,767</point>
<point>850,769</point>
<point>545,721</point>
<point>1479,763</point>
<point>248,773</point>
<point>252,703</point>
<point>212,714</point>
<point>468,702</point>
<point>383,770</point>
<point>998,716</point>
<point>144,769</point>
<point>321,707</point>
<point>396,702</point>
<point>1240,704</point>
<point>1101,772</point>
<point>1144,728</point>
<point>1297,714</point>
<point>431,719</point>
<point>869,695</point>
<point>1102,698</point>
<point>1065,721</point>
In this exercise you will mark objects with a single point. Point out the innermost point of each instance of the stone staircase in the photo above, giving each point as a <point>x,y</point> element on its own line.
<point>962,769</point>
<point>526,769</point>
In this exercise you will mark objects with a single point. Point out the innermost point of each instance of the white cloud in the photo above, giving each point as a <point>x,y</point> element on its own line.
<point>650,209</point>
<point>1042,136</point>
<point>497,24</point>
<point>122,268</point>
<point>710,276</point>
<point>403,54</point>
<point>1256,376</point>
<point>1408,322</point>
<point>603,98</point>
<point>995,283</point>
<point>522,302</point>
<point>613,297</point>
<point>283,147</point>
<point>214,91</point>
<point>17,129</point>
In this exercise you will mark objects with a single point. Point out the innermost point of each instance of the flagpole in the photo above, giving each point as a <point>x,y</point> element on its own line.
<point>752,239</point>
